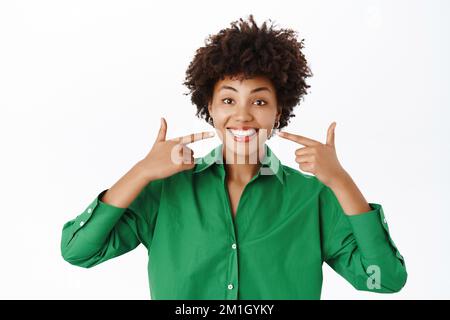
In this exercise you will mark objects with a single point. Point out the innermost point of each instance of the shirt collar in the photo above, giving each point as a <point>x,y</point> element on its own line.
<point>270,164</point>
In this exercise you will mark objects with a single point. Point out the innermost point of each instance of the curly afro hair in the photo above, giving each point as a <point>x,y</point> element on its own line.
<point>245,51</point>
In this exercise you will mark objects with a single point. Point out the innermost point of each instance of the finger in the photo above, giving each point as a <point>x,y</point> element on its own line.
<point>307,167</point>
<point>194,137</point>
<point>303,151</point>
<point>162,131</point>
<point>305,159</point>
<point>189,164</point>
<point>330,134</point>
<point>176,154</point>
<point>299,139</point>
<point>188,160</point>
<point>187,153</point>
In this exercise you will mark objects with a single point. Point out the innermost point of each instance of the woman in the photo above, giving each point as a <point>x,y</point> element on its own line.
<point>237,224</point>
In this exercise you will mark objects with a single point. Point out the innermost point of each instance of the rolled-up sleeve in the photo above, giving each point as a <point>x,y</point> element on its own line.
<point>103,231</point>
<point>360,248</point>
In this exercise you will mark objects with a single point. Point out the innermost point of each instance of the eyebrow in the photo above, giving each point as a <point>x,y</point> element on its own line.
<point>253,91</point>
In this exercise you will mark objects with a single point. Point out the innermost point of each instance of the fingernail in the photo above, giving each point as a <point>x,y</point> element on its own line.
<point>211,134</point>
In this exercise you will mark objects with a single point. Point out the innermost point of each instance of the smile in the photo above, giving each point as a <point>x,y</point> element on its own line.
<point>243,135</point>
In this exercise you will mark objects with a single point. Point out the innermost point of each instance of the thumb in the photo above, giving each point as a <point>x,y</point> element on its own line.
<point>330,134</point>
<point>162,131</point>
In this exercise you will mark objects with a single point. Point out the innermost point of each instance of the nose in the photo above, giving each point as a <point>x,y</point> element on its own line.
<point>242,114</point>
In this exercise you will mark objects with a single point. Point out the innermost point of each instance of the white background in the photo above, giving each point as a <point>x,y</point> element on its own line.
<point>83,85</point>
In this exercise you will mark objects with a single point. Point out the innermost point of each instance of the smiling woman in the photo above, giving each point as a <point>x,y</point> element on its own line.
<point>247,227</point>
<point>246,51</point>
<point>246,82</point>
<point>243,116</point>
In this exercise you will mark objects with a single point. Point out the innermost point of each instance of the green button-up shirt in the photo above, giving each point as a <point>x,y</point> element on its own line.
<point>286,225</point>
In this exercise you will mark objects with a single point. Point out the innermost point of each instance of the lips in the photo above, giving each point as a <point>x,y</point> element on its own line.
<point>243,134</point>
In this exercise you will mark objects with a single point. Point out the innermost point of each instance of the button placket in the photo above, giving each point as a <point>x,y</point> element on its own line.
<point>232,265</point>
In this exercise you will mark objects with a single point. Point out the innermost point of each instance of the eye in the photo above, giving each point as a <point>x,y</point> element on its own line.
<point>262,101</point>
<point>226,99</point>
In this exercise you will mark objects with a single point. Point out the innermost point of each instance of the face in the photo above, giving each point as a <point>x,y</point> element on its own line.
<point>244,112</point>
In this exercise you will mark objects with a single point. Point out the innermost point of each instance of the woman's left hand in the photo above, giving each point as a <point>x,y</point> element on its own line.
<point>318,158</point>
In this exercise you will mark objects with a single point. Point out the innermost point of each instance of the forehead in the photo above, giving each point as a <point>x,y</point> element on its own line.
<point>242,84</point>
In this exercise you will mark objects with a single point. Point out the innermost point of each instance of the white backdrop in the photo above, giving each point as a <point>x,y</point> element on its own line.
<point>83,85</point>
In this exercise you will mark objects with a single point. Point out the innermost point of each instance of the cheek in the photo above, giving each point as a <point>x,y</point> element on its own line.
<point>219,124</point>
<point>220,116</point>
<point>267,118</point>
<point>266,121</point>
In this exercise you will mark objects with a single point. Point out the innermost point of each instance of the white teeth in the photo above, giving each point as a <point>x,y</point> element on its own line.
<point>243,133</point>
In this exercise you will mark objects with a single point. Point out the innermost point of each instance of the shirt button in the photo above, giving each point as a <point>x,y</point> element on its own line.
<point>233,245</point>
<point>81,223</point>
<point>89,210</point>
<point>384,220</point>
<point>230,286</point>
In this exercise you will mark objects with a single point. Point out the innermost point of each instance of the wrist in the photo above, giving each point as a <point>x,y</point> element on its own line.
<point>143,172</point>
<point>341,180</point>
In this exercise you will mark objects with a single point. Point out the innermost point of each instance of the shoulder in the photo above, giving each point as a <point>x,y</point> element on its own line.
<point>294,176</point>
<point>301,185</point>
<point>308,187</point>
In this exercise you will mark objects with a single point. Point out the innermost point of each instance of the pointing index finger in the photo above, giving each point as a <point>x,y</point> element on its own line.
<point>194,137</point>
<point>299,139</point>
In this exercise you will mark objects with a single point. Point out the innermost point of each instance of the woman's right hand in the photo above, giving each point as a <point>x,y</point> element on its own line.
<point>168,157</point>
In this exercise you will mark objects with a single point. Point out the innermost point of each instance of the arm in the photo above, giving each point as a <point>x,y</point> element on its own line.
<point>123,216</point>
<point>359,246</point>
<point>124,191</point>
<point>109,228</point>
<point>355,237</point>
<point>349,196</point>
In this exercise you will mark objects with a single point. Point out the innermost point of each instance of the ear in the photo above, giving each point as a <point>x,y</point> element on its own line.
<point>279,113</point>
<point>209,107</point>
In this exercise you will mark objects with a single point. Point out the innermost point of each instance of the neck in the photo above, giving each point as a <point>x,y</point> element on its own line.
<point>241,168</point>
